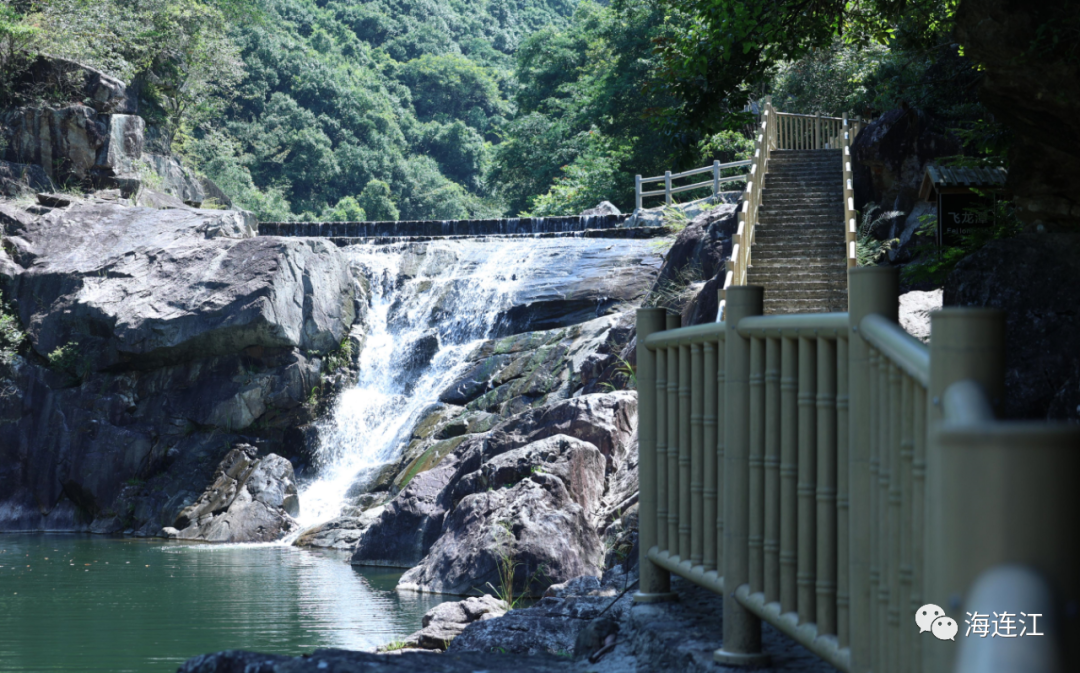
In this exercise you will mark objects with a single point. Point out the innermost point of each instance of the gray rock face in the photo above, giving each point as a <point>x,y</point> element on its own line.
<point>179,331</point>
<point>178,181</point>
<point>542,473</point>
<point>890,155</point>
<point>1032,278</point>
<point>549,627</point>
<point>534,522</point>
<point>252,499</point>
<point>17,179</point>
<point>75,142</point>
<point>134,285</point>
<point>446,621</point>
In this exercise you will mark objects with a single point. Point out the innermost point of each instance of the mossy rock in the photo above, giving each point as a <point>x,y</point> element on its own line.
<point>427,460</point>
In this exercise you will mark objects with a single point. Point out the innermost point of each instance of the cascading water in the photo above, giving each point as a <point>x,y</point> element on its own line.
<point>431,305</point>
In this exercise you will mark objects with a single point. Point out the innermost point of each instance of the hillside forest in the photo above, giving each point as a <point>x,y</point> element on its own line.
<point>444,109</point>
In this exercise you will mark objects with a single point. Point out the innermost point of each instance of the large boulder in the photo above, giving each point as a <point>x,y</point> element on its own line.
<point>1032,278</point>
<point>251,499</point>
<point>889,157</point>
<point>156,338</point>
<point>1031,82</point>
<point>19,179</point>
<point>547,468</point>
<point>524,519</point>
<point>75,143</point>
<point>140,286</point>
<point>444,622</point>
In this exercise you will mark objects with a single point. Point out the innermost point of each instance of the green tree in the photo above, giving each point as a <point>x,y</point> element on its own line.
<point>449,86</point>
<point>376,202</point>
<point>347,210</point>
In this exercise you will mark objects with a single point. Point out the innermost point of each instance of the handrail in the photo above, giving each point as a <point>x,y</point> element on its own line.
<point>668,191</point>
<point>850,229</point>
<point>699,171</point>
<point>902,349</point>
<point>829,473</point>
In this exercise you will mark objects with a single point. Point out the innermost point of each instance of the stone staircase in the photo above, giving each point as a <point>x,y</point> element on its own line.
<point>798,251</point>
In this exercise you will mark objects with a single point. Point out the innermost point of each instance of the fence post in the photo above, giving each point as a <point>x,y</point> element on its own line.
<point>817,131</point>
<point>964,344</point>
<point>655,582</point>
<point>715,179</point>
<point>637,193</point>
<point>742,629</point>
<point>870,290</point>
<point>667,187</point>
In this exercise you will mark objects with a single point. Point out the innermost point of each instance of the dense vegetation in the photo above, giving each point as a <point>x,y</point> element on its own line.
<point>347,109</point>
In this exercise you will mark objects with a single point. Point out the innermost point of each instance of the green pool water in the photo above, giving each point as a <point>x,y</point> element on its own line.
<point>91,603</point>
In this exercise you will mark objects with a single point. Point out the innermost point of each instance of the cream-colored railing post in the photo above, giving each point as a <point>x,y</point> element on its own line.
<point>773,421</point>
<point>674,321</point>
<point>637,193</point>
<point>825,584</point>
<point>667,188</point>
<point>684,452</point>
<point>654,582</point>
<point>843,498</point>
<point>965,344</point>
<point>807,479</point>
<point>742,629</point>
<point>710,447</point>
<point>756,539</point>
<point>697,454</point>
<point>789,470</point>
<point>870,290</point>
<point>661,450</point>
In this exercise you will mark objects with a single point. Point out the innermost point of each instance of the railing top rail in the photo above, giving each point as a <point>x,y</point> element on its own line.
<point>902,349</point>
<point>826,325</point>
<point>796,114</point>
<point>685,336</point>
<point>699,171</point>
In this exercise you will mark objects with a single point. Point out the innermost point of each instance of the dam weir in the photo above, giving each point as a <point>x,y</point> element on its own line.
<point>432,301</point>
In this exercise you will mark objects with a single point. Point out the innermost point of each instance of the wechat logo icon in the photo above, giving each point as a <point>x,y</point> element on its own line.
<point>932,618</point>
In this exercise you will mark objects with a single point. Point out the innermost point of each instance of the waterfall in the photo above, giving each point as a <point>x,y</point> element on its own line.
<point>431,305</point>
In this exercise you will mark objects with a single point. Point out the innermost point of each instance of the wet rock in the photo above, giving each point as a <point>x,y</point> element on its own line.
<point>1025,276</point>
<point>345,661</point>
<point>251,499</point>
<point>444,622</point>
<point>54,200</point>
<point>339,533</point>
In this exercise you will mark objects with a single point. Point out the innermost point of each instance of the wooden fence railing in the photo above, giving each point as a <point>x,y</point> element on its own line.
<point>668,177</point>
<point>830,474</point>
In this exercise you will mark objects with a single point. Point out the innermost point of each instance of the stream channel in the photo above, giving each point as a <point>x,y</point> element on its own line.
<point>73,602</point>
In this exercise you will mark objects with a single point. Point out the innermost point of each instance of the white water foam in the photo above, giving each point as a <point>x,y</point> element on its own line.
<point>455,290</point>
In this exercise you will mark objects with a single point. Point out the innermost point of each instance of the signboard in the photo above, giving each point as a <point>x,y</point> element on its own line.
<point>959,213</point>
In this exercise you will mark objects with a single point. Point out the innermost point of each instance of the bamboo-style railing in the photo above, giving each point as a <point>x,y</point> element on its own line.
<point>827,473</point>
